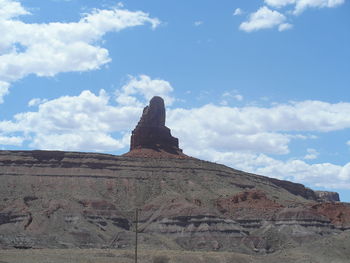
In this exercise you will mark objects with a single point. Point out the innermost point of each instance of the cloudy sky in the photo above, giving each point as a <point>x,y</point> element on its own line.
<point>259,85</point>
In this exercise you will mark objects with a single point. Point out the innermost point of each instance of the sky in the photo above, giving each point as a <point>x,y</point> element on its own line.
<point>260,85</point>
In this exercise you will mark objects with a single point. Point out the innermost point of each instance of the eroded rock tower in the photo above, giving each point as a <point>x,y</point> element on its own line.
<point>151,133</point>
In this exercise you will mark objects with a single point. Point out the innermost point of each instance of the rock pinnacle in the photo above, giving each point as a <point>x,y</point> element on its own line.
<point>151,132</point>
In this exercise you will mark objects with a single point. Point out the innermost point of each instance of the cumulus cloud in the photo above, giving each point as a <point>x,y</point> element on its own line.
<point>11,140</point>
<point>264,18</point>
<point>10,9</point>
<point>230,129</point>
<point>301,5</point>
<point>81,141</point>
<point>145,87</point>
<point>86,122</point>
<point>345,172</point>
<point>318,175</point>
<point>51,48</point>
<point>294,116</point>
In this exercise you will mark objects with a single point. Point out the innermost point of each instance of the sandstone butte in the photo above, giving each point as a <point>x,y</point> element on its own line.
<point>56,199</point>
<point>151,138</point>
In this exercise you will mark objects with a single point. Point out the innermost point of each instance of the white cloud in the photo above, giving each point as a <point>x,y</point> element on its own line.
<point>224,128</point>
<point>84,122</point>
<point>78,141</point>
<point>321,175</point>
<point>198,23</point>
<point>318,175</point>
<point>311,154</point>
<point>345,172</point>
<point>348,143</point>
<point>51,48</point>
<point>11,140</point>
<point>241,138</point>
<point>36,102</point>
<point>301,5</point>
<point>238,12</point>
<point>4,90</point>
<point>241,129</point>
<point>264,18</point>
<point>10,9</point>
<point>294,116</point>
<point>147,88</point>
<point>284,26</point>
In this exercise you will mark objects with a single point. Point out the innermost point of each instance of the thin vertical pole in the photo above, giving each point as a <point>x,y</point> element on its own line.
<point>136,231</point>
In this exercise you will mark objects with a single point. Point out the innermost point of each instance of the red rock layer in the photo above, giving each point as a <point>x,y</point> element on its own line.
<point>249,199</point>
<point>338,213</point>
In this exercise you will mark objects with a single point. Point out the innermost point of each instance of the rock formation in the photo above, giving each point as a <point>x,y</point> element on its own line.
<point>51,199</point>
<point>326,196</point>
<point>151,136</point>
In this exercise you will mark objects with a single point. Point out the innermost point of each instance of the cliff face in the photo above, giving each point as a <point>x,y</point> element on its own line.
<point>326,196</point>
<point>67,199</point>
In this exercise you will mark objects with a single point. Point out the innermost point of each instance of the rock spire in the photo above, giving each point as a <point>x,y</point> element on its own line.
<point>151,132</point>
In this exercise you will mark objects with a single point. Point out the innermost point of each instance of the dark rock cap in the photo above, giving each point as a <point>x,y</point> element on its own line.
<point>151,132</point>
<point>326,196</point>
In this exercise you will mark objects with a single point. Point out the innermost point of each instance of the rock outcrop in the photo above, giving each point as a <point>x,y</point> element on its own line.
<point>295,188</point>
<point>151,132</point>
<point>326,196</point>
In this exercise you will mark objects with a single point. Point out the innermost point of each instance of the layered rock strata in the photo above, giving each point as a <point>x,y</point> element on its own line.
<point>87,200</point>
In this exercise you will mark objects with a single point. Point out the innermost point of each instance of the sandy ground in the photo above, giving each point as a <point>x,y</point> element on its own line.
<point>316,255</point>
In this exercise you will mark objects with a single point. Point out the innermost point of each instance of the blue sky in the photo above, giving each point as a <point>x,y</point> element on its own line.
<point>261,86</point>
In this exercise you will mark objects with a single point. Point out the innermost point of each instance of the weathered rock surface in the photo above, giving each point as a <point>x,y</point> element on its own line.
<point>326,196</point>
<point>87,200</point>
<point>151,132</point>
